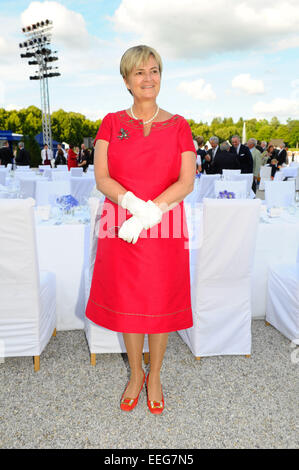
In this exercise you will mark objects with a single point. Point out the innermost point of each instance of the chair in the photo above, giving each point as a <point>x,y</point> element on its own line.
<point>239,188</point>
<point>283,299</point>
<point>227,174</point>
<point>221,285</point>
<point>206,187</point>
<point>28,296</point>
<point>279,193</point>
<point>3,173</point>
<point>265,175</point>
<point>47,191</point>
<point>28,187</point>
<point>248,177</point>
<point>76,171</point>
<point>100,340</point>
<point>81,188</point>
<point>23,167</point>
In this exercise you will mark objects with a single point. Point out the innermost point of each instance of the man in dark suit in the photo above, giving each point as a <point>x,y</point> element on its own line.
<point>243,155</point>
<point>207,165</point>
<point>225,160</point>
<point>6,155</point>
<point>23,157</point>
<point>281,155</point>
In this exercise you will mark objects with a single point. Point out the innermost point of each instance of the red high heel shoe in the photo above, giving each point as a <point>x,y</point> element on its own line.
<point>128,404</point>
<point>155,407</point>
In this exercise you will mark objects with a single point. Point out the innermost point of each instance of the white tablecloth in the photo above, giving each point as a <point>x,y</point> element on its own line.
<point>63,249</point>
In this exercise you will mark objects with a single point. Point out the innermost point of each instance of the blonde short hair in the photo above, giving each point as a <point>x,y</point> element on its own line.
<point>135,56</point>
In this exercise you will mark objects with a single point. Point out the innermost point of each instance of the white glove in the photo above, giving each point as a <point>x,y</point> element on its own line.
<point>148,212</point>
<point>130,230</point>
<point>134,204</point>
<point>151,216</point>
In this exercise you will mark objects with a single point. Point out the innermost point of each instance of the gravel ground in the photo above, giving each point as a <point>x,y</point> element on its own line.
<point>218,402</point>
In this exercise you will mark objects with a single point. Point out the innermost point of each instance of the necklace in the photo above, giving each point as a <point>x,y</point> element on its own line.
<point>150,120</point>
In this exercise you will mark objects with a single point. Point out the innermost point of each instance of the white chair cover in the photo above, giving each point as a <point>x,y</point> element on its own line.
<point>3,174</point>
<point>265,175</point>
<point>279,193</point>
<point>220,288</point>
<point>81,188</point>
<point>23,167</point>
<point>28,298</point>
<point>227,174</point>
<point>294,164</point>
<point>76,171</point>
<point>239,188</point>
<point>205,187</point>
<point>99,339</point>
<point>47,191</point>
<point>60,175</point>
<point>283,300</point>
<point>90,168</point>
<point>60,168</point>
<point>28,187</point>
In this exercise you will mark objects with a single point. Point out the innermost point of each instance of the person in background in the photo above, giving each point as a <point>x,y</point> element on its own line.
<point>281,155</point>
<point>59,147</point>
<point>243,154</point>
<point>60,158</point>
<point>71,158</point>
<point>83,157</point>
<point>46,155</point>
<point>201,153</point>
<point>6,155</point>
<point>257,161</point>
<point>224,159</point>
<point>23,156</point>
<point>207,164</point>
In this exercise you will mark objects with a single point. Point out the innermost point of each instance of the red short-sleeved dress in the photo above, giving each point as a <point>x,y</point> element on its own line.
<point>145,287</point>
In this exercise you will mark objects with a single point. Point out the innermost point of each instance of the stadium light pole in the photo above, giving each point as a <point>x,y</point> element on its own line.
<point>37,46</point>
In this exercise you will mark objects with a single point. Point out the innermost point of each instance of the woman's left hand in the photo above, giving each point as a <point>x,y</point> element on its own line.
<point>130,230</point>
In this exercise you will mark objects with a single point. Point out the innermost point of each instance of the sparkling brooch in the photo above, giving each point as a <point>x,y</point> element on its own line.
<point>123,134</point>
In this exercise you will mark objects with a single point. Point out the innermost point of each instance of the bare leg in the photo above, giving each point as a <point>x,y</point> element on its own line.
<point>134,345</point>
<point>157,347</point>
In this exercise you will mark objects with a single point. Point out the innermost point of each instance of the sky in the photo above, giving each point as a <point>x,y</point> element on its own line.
<point>221,58</point>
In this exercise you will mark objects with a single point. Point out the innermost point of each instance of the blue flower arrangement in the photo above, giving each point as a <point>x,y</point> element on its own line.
<point>226,195</point>
<point>67,202</point>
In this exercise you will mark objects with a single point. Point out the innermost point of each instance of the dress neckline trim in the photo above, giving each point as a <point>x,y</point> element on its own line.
<point>138,123</point>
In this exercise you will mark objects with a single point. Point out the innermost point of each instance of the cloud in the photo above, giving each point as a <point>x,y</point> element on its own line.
<point>278,107</point>
<point>198,89</point>
<point>245,83</point>
<point>69,28</point>
<point>199,29</point>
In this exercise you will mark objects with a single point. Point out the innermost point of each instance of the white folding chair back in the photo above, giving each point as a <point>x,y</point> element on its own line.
<point>76,171</point>
<point>27,187</point>
<point>28,297</point>
<point>206,187</point>
<point>279,193</point>
<point>239,188</point>
<point>3,174</point>
<point>227,174</point>
<point>265,175</point>
<point>221,285</point>
<point>81,188</point>
<point>99,339</point>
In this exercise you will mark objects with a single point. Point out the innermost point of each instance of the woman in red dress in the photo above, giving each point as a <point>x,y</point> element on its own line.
<point>71,158</point>
<point>145,165</point>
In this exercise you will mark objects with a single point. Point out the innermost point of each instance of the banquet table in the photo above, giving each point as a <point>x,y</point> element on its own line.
<point>64,249</point>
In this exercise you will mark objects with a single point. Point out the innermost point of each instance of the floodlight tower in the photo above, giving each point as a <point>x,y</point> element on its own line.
<point>37,46</point>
